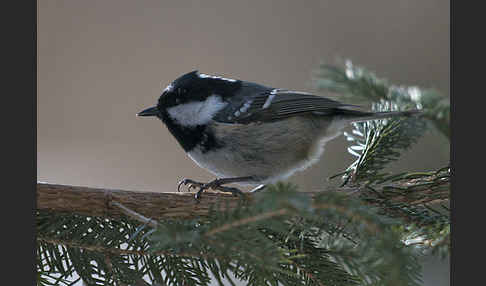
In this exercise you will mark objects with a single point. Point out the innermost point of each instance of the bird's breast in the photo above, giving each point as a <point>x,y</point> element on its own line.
<point>270,151</point>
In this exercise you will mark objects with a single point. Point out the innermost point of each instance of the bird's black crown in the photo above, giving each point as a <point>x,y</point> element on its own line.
<point>194,86</point>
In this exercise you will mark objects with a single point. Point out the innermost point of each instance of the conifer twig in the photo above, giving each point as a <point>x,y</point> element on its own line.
<point>247,221</point>
<point>115,250</point>
<point>136,215</point>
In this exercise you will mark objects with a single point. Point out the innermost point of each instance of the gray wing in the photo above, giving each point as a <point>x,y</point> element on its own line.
<point>275,104</point>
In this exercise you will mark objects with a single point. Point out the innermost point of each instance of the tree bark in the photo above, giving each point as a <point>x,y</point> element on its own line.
<point>154,206</point>
<point>99,202</point>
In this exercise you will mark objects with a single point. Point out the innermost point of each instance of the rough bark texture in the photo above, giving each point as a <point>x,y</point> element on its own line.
<point>98,202</point>
<point>101,202</point>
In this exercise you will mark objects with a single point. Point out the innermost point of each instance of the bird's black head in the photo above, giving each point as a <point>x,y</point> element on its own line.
<point>188,104</point>
<point>192,87</point>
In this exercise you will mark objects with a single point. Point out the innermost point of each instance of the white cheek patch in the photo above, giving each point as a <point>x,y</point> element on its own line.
<point>197,113</point>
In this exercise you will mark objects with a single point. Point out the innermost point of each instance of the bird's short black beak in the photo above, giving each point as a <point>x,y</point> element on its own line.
<point>151,111</point>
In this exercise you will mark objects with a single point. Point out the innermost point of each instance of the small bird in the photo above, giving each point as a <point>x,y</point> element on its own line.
<point>248,133</point>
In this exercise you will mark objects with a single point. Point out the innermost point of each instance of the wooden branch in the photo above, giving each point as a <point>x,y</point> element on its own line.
<point>150,206</point>
<point>98,202</point>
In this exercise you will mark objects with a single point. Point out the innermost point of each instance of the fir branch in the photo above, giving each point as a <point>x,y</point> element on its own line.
<point>408,196</point>
<point>78,247</point>
<point>418,199</point>
<point>259,240</point>
<point>357,83</point>
<point>329,208</point>
<point>373,233</point>
<point>379,142</point>
<point>411,196</point>
<point>245,221</point>
<point>306,258</point>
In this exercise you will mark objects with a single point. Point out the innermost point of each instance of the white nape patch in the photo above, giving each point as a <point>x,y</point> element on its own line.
<point>269,99</point>
<point>170,87</point>
<point>202,75</point>
<point>197,112</point>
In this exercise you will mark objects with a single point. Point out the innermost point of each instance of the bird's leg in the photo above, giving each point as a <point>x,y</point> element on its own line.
<point>216,184</point>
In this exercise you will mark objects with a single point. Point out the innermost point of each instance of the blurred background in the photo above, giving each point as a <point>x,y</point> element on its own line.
<point>101,62</point>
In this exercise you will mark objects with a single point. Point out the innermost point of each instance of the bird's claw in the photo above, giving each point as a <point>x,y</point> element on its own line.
<point>215,185</point>
<point>192,184</point>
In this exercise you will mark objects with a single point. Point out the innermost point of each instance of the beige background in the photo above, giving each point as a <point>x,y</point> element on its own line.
<point>100,62</point>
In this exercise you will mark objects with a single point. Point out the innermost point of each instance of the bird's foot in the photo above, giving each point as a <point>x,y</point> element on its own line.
<point>192,184</point>
<point>216,184</point>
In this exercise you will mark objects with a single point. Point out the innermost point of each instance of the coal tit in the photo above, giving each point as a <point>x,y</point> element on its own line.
<point>247,133</point>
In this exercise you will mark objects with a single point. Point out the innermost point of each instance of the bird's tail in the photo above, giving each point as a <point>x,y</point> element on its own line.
<point>358,116</point>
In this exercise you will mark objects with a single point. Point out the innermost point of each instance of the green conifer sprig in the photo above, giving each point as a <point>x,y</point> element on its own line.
<point>412,196</point>
<point>379,142</point>
<point>285,229</point>
<point>275,240</point>
<point>356,83</point>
